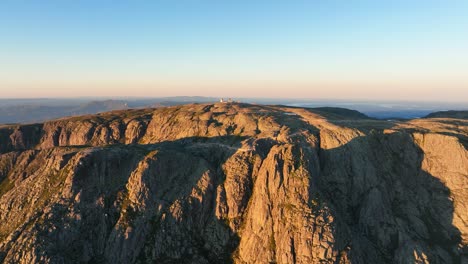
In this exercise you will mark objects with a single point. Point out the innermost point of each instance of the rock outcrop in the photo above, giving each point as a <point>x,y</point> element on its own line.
<point>234,183</point>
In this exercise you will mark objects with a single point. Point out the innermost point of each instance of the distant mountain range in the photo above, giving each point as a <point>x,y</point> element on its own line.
<point>39,110</point>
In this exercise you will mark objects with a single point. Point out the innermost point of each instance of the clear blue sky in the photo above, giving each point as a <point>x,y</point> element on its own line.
<point>302,49</point>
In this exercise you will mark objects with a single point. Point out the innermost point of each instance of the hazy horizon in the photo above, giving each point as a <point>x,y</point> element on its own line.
<point>216,98</point>
<point>353,50</point>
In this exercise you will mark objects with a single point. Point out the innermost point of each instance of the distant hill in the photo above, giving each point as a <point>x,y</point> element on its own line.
<point>340,113</point>
<point>449,114</point>
<point>37,113</point>
<point>40,110</point>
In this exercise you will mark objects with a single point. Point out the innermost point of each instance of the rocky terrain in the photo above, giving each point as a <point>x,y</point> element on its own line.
<point>234,183</point>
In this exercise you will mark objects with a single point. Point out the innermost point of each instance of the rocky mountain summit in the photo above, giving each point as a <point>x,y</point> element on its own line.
<point>234,183</point>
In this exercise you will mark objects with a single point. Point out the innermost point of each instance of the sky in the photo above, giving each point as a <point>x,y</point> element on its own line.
<point>398,50</point>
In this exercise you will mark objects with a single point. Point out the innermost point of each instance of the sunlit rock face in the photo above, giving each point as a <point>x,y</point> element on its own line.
<point>234,183</point>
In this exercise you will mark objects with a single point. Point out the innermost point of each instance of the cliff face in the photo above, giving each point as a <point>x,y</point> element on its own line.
<point>234,183</point>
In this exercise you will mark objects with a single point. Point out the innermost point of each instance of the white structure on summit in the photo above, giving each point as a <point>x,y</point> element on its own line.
<point>230,100</point>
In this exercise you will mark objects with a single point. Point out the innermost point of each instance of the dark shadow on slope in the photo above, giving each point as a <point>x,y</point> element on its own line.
<point>17,138</point>
<point>103,213</point>
<point>456,122</point>
<point>389,210</point>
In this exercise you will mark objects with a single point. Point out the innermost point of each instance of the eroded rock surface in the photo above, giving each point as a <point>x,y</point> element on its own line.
<point>222,183</point>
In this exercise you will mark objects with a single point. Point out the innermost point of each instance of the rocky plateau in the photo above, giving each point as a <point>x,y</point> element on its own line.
<point>235,183</point>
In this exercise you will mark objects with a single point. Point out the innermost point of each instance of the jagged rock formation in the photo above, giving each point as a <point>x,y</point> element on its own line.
<point>220,183</point>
